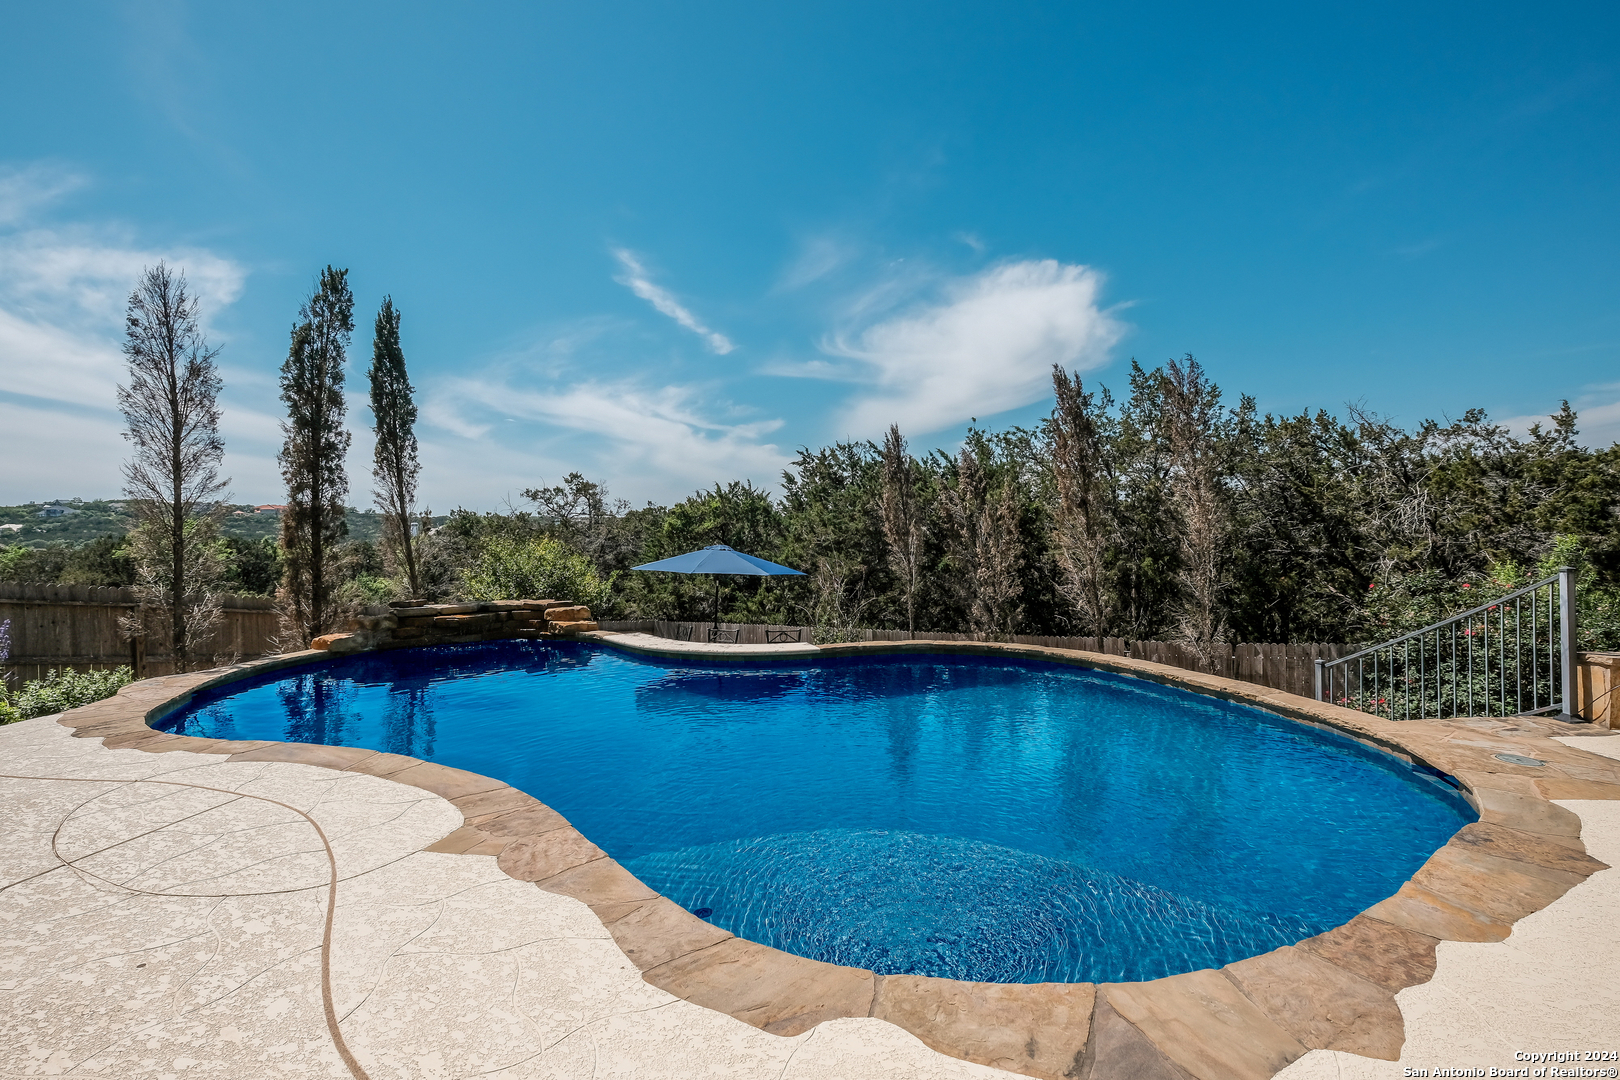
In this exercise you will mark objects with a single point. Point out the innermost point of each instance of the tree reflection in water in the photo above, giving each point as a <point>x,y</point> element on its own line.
<point>408,724</point>
<point>319,708</point>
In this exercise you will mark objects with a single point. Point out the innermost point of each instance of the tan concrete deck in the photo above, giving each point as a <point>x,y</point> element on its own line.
<point>167,920</point>
<point>152,926</point>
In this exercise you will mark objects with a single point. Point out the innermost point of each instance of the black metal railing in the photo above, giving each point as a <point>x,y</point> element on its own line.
<point>1512,656</point>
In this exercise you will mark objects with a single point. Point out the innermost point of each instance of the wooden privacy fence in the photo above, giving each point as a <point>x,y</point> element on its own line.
<point>1282,667</point>
<point>76,626</point>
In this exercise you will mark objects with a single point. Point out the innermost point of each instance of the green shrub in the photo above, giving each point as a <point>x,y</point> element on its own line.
<point>9,714</point>
<point>535,568</point>
<point>61,690</point>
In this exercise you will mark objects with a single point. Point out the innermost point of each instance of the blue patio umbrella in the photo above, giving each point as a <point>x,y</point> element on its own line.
<point>719,559</point>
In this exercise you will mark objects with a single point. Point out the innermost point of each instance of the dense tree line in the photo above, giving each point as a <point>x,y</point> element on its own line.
<point>1164,514</point>
<point>251,567</point>
<point>1168,512</point>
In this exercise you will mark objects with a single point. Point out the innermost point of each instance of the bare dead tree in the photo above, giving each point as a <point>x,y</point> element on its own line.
<point>312,454</point>
<point>394,461</point>
<point>172,479</point>
<point>1083,526</point>
<point>1192,419</point>
<point>840,600</point>
<point>986,546</point>
<point>904,519</point>
<point>579,511</point>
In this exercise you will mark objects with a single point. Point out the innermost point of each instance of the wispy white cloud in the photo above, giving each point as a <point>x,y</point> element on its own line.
<point>641,438</point>
<point>976,245</point>
<point>1599,424</point>
<point>62,295</point>
<point>818,257</point>
<point>985,344</point>
<point>32,187</point>
<point>636,279</point>
<point>80,276</point>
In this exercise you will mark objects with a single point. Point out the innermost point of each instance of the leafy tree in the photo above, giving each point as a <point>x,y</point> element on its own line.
<point>251,566</point>
<point>535,568</point>
<point>1303,553</point>
<point>395,465</point>
<point>1146,559</point>
<point>36,565</point>
<point>576,508</point>
<point>171,412</point>
<point>105,562</point>
<point>360,576</point>
<point>832,530</point>
<point>736,514</point>
<point>584,515</point>
<point>312,453</point>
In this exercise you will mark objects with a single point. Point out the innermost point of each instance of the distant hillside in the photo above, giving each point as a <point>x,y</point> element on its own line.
<point>109,517</point>
<point>101,517</point>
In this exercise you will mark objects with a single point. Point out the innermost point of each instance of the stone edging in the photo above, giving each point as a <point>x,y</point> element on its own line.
<point>1335,991</point>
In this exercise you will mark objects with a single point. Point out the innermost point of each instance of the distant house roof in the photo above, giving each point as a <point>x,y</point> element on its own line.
<point>57,511</point>
<point>12,528</point>
<point>269,508</point>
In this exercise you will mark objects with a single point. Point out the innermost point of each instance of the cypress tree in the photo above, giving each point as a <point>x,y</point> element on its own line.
<point>395,466</point>
<point>312,453</point>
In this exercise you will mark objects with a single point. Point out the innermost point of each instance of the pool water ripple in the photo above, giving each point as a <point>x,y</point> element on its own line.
<point>968,817</point>
<point>901,903</point>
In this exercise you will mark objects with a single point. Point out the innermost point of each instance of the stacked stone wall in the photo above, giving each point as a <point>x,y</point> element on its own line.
<point>412,624</point>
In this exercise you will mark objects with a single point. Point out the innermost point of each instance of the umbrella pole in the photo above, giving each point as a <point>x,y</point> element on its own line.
<point>716,607</point>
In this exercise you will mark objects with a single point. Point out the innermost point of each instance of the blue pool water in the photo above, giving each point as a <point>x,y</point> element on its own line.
<point>968,817</point>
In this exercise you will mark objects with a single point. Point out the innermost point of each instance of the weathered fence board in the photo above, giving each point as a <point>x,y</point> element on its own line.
<point>1290,668</point>
<point>77,626</point>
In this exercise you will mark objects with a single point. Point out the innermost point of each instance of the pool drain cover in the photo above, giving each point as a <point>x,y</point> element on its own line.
<point>1519,759</point>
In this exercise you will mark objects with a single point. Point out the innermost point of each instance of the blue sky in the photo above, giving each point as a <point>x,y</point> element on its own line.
<point>669,244</point>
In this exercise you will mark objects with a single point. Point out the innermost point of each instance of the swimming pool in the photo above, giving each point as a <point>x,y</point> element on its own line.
<point>969,817</point>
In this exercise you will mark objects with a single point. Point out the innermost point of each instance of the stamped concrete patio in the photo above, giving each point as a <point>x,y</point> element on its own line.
<point>168,918</point>
<point>173,914</point>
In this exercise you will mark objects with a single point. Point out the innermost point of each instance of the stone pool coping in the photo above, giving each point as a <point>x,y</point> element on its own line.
<point>1335,991</point>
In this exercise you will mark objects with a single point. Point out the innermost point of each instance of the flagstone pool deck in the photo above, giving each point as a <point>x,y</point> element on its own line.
<point>168,909</point>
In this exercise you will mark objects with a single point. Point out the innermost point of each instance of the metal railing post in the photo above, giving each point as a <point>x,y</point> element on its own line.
<point>1566,636</point>
<point>1477,640</point>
